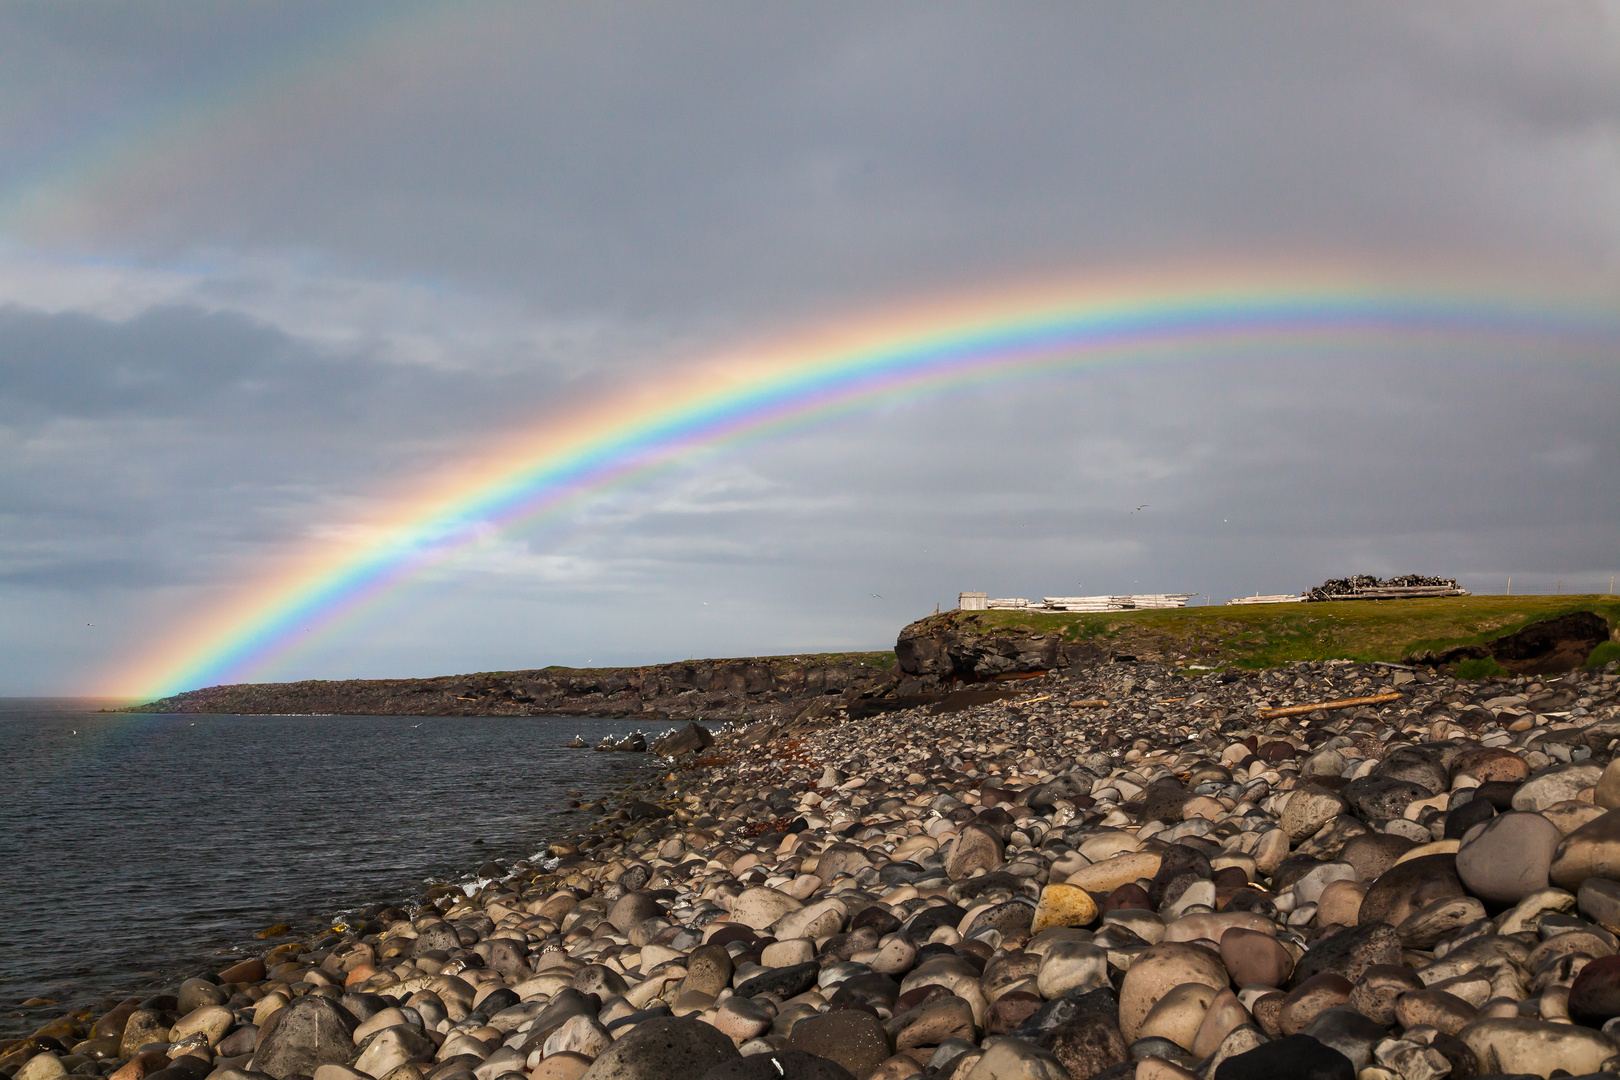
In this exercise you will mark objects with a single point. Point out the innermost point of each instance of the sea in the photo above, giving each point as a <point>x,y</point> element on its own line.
<point>139,849</point>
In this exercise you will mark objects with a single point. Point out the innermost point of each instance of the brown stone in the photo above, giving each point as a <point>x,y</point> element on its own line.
<point>1408,886</point>
<point>1437,1008</point>
<point>977,848</point>
<point>1255,959</point>
<point>1310,998</point>
<point>852,1038</point>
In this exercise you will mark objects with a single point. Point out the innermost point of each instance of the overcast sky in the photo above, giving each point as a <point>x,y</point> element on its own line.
<point>261,264</point>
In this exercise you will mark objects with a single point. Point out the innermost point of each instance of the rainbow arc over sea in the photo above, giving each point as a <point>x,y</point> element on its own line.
<point>1309,318</point>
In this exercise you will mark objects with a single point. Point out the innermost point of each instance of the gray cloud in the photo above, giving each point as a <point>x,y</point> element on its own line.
<point>264,265</point>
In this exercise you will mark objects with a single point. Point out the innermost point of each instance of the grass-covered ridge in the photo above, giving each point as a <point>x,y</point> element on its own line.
<point>1267,635</point>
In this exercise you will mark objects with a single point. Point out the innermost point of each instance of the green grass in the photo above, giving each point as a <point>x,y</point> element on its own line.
<point>1605,653</point>
<point>1269,635</point>
<point>1482,668</point>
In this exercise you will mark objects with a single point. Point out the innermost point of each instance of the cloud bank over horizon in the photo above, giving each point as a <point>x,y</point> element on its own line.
<point>266,269</point>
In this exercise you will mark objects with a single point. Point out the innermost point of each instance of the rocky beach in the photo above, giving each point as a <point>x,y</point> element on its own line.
<point>1122,871</point>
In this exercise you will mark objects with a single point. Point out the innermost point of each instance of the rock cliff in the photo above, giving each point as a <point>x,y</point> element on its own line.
<point>759,687</point>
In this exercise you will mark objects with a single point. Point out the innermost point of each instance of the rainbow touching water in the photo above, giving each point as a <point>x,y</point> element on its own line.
<point>651,426</point>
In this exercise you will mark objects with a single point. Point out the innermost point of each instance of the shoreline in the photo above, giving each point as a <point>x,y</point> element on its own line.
<point>983,891</point>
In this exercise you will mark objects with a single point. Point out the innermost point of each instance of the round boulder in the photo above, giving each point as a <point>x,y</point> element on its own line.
<point>1505,859</point>
<point>312,1031</point>
<point>1593,850</point>
<point>780,1065</point>
<point>853,1039</point>
<point>662,1047</point>
<point>1158,970</point>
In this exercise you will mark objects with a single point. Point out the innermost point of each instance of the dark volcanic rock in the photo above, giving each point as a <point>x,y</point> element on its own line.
<point>782,982</point>
<point>787,1064</point>
<point>1296,1057</point>
<point>853,1039</point>
<point>1377,799</point>
<point>661,1048</point>
<point>688,740</point>
<point>1350,952</point>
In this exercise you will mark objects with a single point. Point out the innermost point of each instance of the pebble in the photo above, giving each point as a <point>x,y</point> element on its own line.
<point>1415,892</point>
<point>1063,905</point>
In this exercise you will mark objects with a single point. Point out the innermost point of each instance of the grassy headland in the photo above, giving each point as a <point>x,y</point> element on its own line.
<point>1266,635</point>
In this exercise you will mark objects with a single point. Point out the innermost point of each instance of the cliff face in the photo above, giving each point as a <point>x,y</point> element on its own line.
<point>958,646</point>
<point>760,688</point>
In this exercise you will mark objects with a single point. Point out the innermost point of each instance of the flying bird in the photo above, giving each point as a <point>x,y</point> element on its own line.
<point>1144,506</point>
<point>879,597</point>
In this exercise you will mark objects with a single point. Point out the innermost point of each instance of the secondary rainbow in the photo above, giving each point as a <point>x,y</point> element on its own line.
<point>629,436</point>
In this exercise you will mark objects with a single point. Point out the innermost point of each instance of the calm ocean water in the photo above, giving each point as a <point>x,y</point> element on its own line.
<point>134,848</point>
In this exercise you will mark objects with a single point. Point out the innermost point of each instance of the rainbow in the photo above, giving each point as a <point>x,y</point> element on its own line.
<point>629,435</point>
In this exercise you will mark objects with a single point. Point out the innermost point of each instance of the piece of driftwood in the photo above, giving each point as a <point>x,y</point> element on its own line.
<point>1328,706</point>
<point>1093,703</point>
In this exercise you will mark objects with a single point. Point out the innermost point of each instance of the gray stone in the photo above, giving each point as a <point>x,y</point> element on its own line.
<point>1309,808</point>
<point>977,848</point>
<point>1438,920</point>
<point>309,1032</point>
<point>436,936</point>
<point>1534,1046</point>
<point>841,859</point>
<point>1414,765</point>
<point>1507,858</point>
<point>632,908</point>
<point>1558,784</point>
<point>1085,1044</point>
<point>195,993</point>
